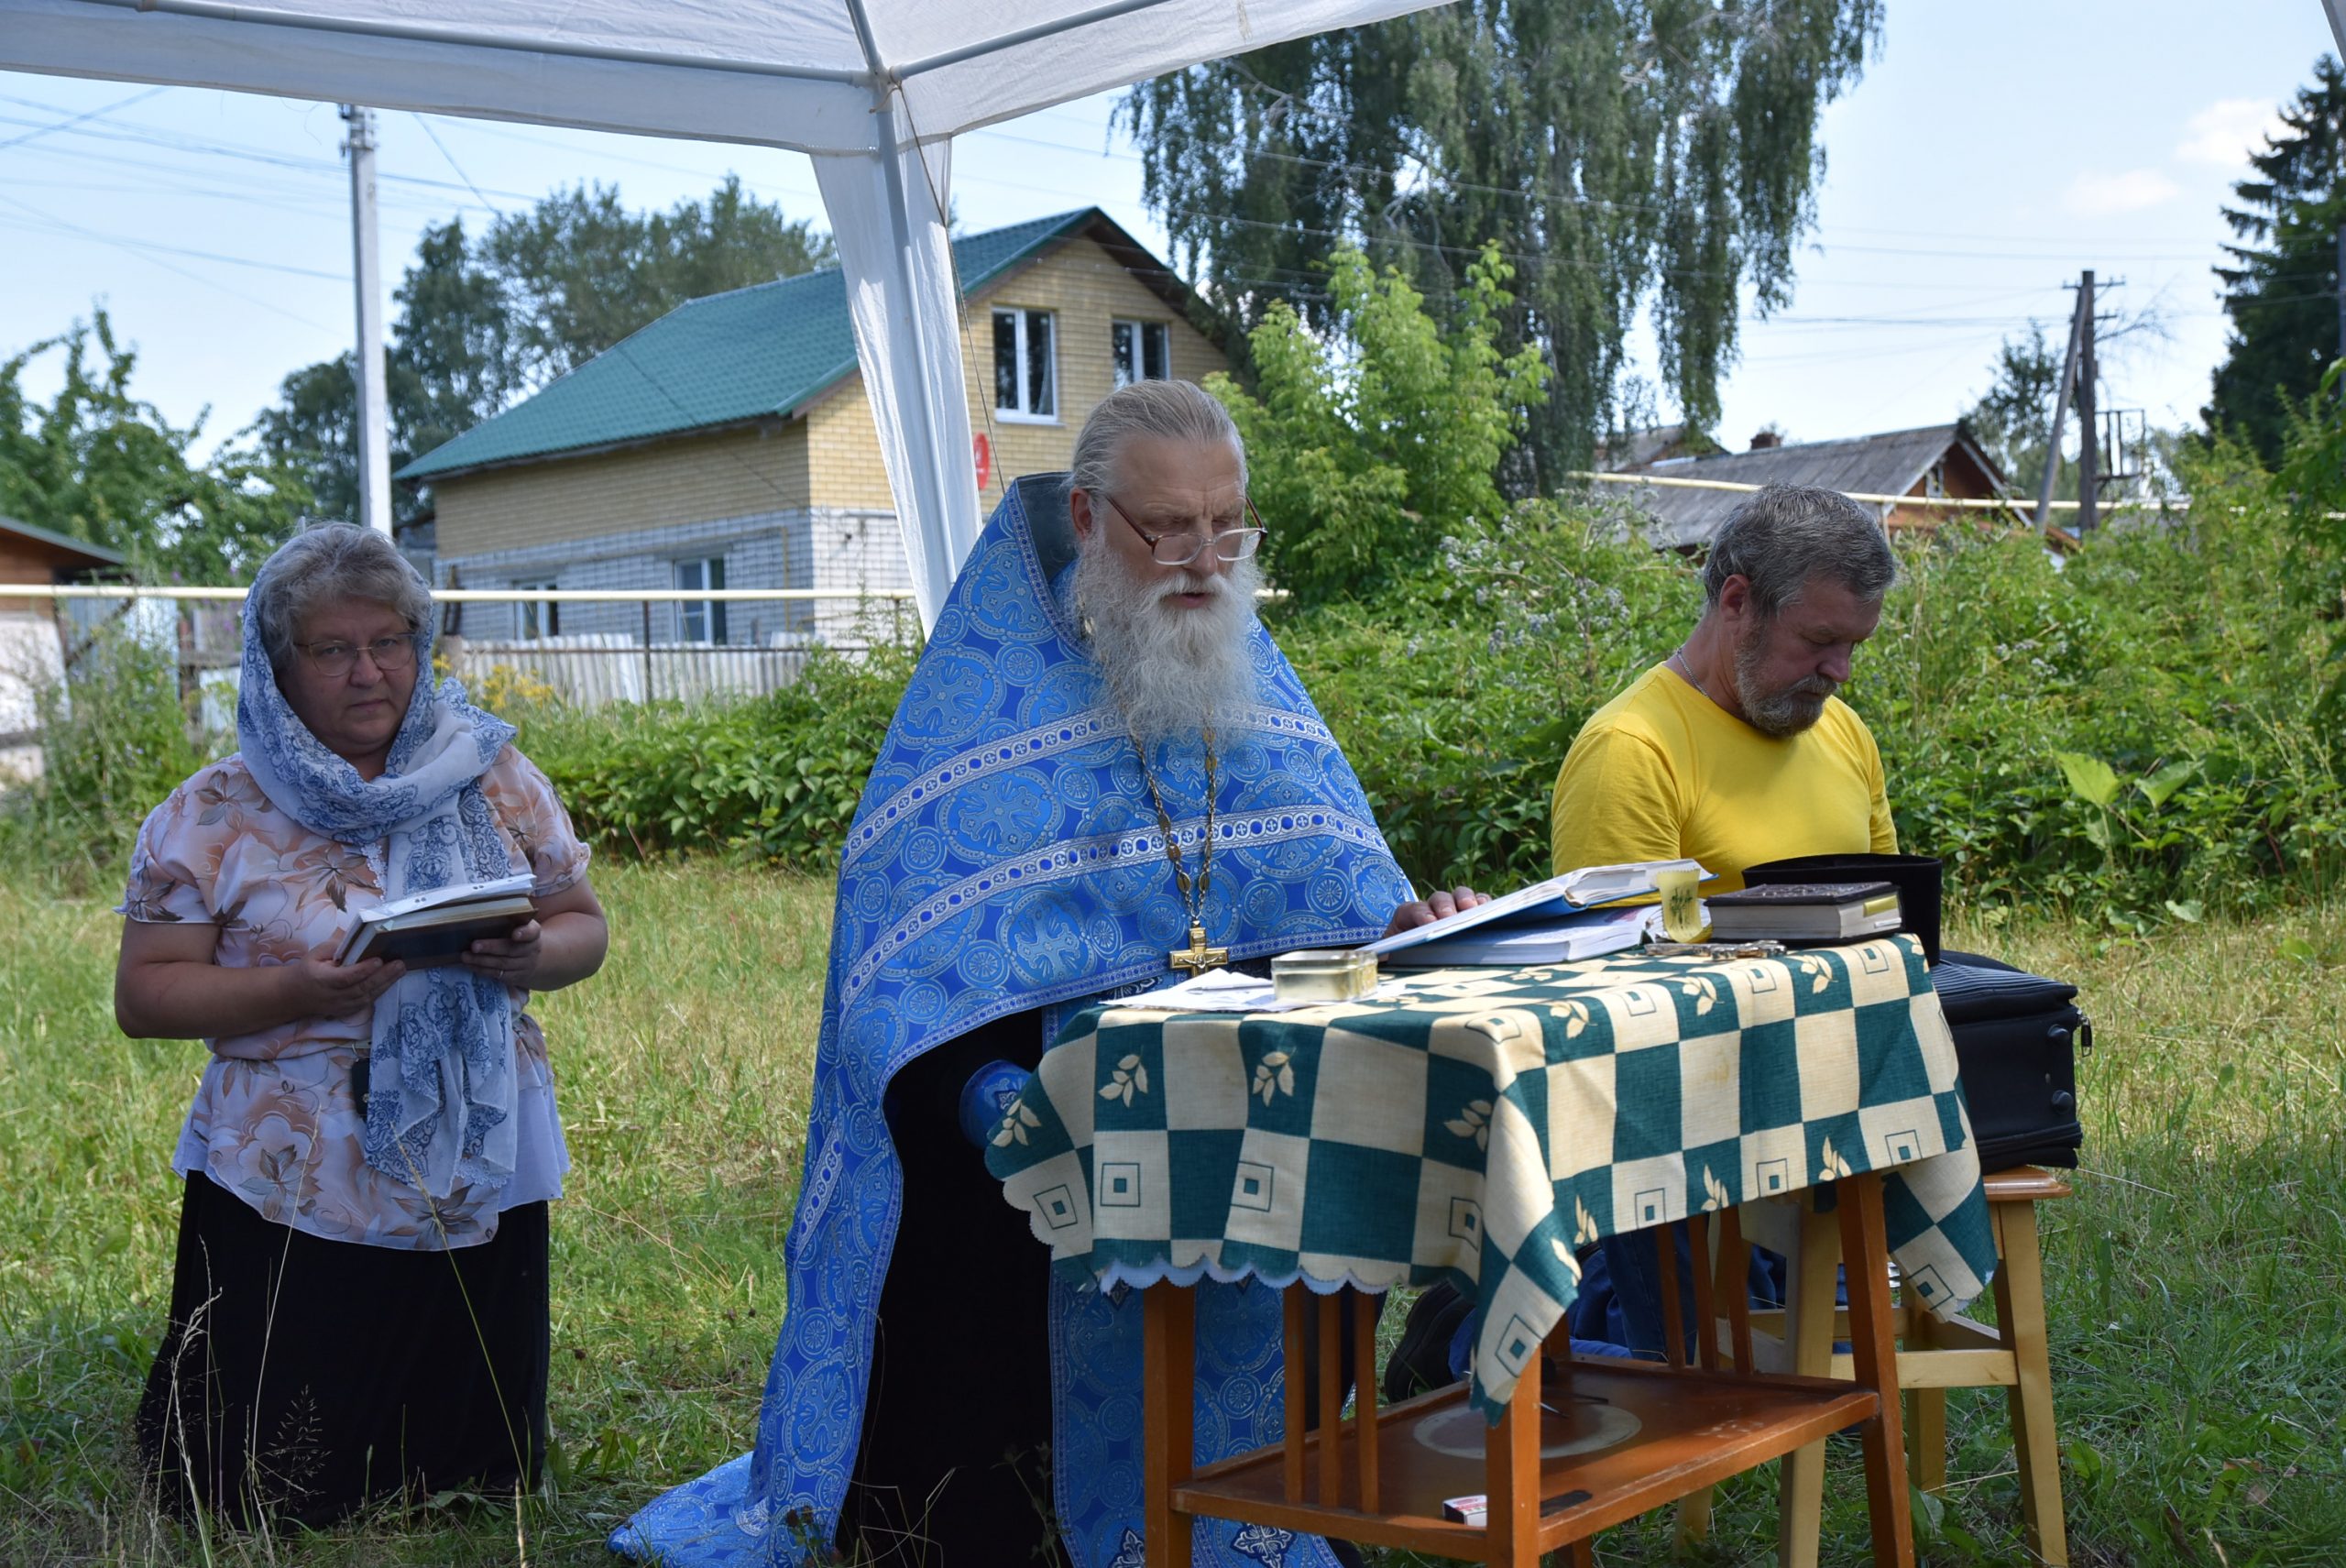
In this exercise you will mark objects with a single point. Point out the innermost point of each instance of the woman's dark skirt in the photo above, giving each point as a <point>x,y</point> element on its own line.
<point>302,1378</point>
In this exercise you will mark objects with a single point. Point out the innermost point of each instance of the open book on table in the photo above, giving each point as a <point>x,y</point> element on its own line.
<point>435,927</point>
<point>1544,903</point>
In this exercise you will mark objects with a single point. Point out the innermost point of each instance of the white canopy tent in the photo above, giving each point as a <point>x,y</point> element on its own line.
<point>875,90</point>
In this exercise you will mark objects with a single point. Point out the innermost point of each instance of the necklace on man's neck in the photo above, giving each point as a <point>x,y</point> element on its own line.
<point>1686,669</point>
<point>1197,957</point>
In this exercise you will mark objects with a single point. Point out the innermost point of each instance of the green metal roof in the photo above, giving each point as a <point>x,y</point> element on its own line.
<point>754,353</point>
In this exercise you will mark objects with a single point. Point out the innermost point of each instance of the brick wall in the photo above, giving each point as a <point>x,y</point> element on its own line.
<point>1086,290</point>
<point>687,479</point>
<point>761,550</point>
<point>801,504</point>
<point>22,562</point>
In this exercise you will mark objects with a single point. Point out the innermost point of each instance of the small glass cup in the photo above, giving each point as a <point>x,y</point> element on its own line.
<point>1681,912</point>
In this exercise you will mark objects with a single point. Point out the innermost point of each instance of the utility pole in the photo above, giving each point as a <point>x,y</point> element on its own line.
<point>2341,292</point>
<point>2088,426</point>
<point>2079,374</point>
<point>2060,418</point>
<point>374,422</point>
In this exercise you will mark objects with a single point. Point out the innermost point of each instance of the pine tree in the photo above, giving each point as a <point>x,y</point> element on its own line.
<point>2283,285</point>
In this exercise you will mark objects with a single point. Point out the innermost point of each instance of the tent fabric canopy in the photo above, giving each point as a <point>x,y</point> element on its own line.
<point>874,89</point>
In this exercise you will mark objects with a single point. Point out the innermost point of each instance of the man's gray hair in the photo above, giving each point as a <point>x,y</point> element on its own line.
<point>1175,410</point>
<point>1786,534</point>
<point>324,564</point>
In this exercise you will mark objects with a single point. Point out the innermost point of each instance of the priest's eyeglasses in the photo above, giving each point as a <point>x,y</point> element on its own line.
<point>335,660</point>
<point>1181,548</point>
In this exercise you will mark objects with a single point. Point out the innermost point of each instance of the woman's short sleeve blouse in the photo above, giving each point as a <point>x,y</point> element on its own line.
<point>273,1120</point>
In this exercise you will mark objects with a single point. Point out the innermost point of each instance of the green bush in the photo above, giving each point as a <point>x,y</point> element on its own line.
<point>774,778</point>
<point>114,740</point>
<point>2135,735</point>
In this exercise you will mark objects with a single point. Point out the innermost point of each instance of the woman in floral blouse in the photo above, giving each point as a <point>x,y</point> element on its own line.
<point>360,1300</point>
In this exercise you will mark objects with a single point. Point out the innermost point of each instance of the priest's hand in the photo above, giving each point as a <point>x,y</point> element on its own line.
<point>1437,906</point>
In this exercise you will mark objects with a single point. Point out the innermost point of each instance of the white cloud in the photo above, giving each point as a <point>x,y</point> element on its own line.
<point>2096,194</point>
<point>2222,135</point>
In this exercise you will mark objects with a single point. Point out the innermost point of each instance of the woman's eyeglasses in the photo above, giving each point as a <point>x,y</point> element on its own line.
<point>1181,548</point>
<point>334,660</point>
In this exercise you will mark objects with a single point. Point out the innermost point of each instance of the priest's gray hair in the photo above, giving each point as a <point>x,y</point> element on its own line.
<point>326,565</point>
<point>1785,535</point>
<point>1175,410</point>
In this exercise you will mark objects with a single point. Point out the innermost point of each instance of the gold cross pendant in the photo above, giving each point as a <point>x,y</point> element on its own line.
<point>1199,957</point>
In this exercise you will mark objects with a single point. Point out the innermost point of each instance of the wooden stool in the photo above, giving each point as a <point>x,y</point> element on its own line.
<point>1382,1476</point>
<point>1934,1358</point>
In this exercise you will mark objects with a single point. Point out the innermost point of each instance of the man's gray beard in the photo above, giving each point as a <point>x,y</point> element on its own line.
<point>1173,671</point>
<point>1777,713</point>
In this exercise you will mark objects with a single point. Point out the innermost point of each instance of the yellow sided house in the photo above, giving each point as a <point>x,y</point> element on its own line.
<point>728,445</point>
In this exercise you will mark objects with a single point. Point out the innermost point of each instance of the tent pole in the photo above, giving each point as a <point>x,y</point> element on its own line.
<point>920,433</point>
<point>927,477</point>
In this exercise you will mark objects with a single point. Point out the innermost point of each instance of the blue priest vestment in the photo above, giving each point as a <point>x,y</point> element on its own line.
<point>1005,858</point>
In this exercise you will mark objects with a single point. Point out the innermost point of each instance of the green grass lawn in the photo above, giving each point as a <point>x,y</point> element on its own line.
<point>2199,1336</point>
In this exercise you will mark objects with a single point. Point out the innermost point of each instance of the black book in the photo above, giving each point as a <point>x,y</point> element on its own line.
<point>1804,911</point>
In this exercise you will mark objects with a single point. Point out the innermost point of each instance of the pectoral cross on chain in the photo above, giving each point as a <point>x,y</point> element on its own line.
<point>1198,958</point>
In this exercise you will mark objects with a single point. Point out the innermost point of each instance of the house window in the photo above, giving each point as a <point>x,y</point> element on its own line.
<point>1025,375</point>
<point>533,619</point>
<point>1144,351</point>
<point>701,621</point>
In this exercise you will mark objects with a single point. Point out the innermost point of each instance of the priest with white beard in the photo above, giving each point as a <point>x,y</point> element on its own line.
<point>1102,775</point>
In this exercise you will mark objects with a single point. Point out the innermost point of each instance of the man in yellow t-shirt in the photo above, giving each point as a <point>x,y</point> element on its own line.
<point>1734,750</point>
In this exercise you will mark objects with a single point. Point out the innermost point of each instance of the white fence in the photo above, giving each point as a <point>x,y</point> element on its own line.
<point>199,626</point>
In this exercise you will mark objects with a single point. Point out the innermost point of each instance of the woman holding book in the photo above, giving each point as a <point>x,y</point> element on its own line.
<point>360,1300</point>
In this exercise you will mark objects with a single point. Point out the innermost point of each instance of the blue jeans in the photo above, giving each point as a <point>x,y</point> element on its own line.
<point>1620,1290</point>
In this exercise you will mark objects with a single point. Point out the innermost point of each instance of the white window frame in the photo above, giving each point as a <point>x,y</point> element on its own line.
<point>700,621</point>
<point>1126,374</point>
<point>534,620</point>
<point>1022,317</point>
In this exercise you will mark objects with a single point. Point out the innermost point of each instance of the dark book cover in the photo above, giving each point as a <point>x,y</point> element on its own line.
<point>1778,896</point>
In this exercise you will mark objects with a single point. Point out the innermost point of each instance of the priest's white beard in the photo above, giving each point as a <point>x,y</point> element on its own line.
<point>1173,671</point>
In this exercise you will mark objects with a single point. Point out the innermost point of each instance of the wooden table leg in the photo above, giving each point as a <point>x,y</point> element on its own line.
<point>1873,1347</point>
<point>2020,1317</point>
<point>1808,1328</point>
<point>1511,1458</point>
<point>1295,1375</point>
<point>1330,1425</point>
<point>1925,1411</point>
<point>1365,1412</point>
<point>1169,1369</point>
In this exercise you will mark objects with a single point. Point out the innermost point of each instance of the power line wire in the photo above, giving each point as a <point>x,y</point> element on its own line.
<point>89,114</point>
<point>453,164</point>
<point>139,249</point>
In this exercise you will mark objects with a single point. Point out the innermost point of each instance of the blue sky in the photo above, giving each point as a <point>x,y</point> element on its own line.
<point>1992,149</point>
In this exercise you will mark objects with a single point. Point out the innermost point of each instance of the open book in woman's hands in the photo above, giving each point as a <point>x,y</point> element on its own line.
<point>435,927</point>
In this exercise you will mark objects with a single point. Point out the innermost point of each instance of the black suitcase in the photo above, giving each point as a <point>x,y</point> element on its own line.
<point>2017,1039</point>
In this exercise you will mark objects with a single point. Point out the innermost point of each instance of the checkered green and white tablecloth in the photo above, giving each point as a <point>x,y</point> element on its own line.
<point>1485,1125</point>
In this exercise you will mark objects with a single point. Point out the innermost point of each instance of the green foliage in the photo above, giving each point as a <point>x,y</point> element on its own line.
<point>485,319</point>
<point>1457,697</point>
<point>2280,291</point>
<point>114,742</point>
<point>774,779</point>
<point>1362,451</point>
<point>103,466</point>
<point>2135,737</point>
<point>2310,491</point>
<point>1622,155</point>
